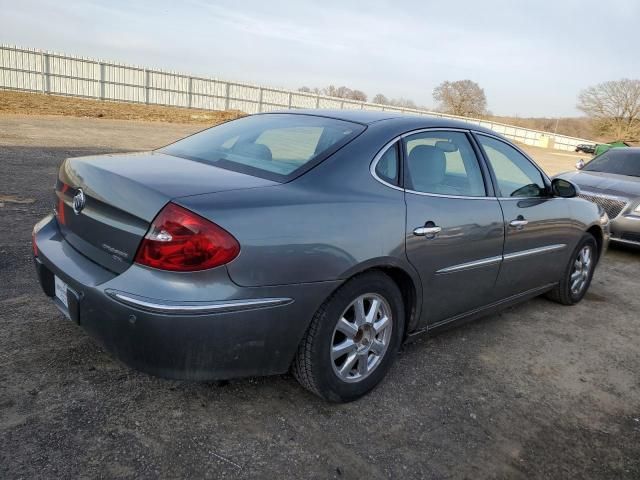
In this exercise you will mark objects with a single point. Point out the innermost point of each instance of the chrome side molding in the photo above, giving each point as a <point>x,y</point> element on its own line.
<point>499,258</point>
<point>534,251</point>
<point>196,308</point>
<point>477,263</point>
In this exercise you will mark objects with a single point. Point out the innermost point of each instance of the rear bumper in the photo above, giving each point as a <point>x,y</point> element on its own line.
<point>203,326</point>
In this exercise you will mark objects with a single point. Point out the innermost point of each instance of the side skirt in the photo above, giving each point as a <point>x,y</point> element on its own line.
<point>483,311</point>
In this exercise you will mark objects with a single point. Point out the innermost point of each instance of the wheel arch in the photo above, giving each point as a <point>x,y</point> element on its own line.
<point>407,280</point>
<point>598,234</point>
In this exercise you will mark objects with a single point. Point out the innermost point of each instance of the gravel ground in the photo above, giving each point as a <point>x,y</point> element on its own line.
<point>538,391</point>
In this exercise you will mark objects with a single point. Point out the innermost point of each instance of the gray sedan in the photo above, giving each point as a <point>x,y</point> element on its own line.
<point>612,180</point>
<point>310,241</point>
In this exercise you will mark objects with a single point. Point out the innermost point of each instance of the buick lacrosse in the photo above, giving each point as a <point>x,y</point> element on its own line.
<point>310,241</point>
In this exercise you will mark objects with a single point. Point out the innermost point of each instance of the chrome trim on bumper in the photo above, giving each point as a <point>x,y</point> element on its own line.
<point>197,308</point>
<point>534,251</point>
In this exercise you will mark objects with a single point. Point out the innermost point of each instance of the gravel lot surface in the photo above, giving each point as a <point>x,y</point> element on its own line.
<point>539,391</point>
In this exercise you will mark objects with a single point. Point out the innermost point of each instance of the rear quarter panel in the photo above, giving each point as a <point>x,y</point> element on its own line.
<point>322,226</point>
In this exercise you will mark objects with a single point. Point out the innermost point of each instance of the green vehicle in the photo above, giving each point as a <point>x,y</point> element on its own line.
<point>603,147</point>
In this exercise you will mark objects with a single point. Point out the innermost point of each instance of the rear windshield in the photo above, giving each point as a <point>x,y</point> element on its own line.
<point>273,146</point>
<point>617,160</point>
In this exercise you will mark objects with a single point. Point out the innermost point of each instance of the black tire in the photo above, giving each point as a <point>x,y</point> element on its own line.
<point>313,366</point>
<point>562,292</point>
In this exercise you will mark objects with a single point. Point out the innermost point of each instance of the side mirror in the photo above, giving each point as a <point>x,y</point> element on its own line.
<point>564,188</point>
<point>580,164</point>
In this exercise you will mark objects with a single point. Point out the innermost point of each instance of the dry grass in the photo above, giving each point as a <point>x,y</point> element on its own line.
<point>22,103</point>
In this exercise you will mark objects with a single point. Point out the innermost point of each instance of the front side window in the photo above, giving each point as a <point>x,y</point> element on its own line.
<point>443,163</point>
<point>515,174</point>
<point>272,146</point>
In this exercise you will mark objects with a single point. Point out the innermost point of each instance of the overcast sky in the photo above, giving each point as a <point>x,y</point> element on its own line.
<point>531,58</point>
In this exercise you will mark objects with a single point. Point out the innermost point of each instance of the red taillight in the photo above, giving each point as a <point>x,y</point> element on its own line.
<point>60,209</point>
<point>182,241</point>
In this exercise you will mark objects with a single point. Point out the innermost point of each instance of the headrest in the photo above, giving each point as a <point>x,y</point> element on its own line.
<point>254,150</point>
<point>427,166</point>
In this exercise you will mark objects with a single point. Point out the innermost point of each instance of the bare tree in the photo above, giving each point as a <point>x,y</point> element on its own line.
<point>339,92</point>
<point>462,97</point>
<point>309,90</point>
<point>614,107</point>
<point>402,102</point>
<point>395,102</point>
<point>358,95</point>
<point>380,99</point>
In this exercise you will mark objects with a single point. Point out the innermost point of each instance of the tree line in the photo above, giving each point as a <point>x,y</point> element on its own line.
<point>612,108</point>
<point>463,97</point>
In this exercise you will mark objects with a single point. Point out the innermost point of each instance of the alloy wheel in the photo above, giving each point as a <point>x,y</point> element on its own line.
<point>581,270</point>
<point>361,337</point>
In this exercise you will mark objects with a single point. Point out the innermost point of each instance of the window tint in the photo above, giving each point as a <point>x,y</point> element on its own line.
<point>443,163</point>
<point>621,161</point>
<point>273,146</point>
<point>387,167</point>
<point>516,175</point>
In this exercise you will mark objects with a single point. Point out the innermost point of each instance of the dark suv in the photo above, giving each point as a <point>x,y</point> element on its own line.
<point>586,148</point>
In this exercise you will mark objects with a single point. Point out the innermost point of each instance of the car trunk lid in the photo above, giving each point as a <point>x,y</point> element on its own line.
<point>123,194</point>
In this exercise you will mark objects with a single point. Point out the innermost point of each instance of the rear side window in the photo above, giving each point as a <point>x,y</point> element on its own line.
<point>443,163</point>
<point>272,146</point>
<point>387,167</point>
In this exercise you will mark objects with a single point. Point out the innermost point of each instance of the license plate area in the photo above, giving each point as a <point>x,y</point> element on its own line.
<point>67,300</point>
<point>61,291</point>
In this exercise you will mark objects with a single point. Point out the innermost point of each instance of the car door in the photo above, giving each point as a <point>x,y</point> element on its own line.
<point>455,228</point>
<point>538,230</point>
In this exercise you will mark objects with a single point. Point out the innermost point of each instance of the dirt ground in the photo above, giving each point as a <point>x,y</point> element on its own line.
<point>538,391</point>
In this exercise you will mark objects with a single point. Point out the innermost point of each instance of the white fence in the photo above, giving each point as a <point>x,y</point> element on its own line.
<point>47,72</point>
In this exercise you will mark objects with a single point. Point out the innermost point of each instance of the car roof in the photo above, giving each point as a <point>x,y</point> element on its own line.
<point>368,117</point>
<point>617,150</point>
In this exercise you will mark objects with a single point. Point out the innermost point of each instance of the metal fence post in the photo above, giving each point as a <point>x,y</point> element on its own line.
<point>260,90</point>
<point>190,91</point>
<point>46,82</point>
<point>342,105</point>
<point>226,96</point>
<point>102,81</point>
<point>289,100</point>
<point>146,86</point>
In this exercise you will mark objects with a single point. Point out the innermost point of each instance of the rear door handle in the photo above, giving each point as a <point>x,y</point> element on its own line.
<point>519,222</point>
<point>429,230</point>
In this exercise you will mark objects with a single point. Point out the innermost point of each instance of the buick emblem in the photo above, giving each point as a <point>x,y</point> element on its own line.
<point>79,201</point>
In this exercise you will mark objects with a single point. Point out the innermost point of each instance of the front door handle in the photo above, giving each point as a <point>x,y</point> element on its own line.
<point>429,230</point>
<point>519,222</point>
